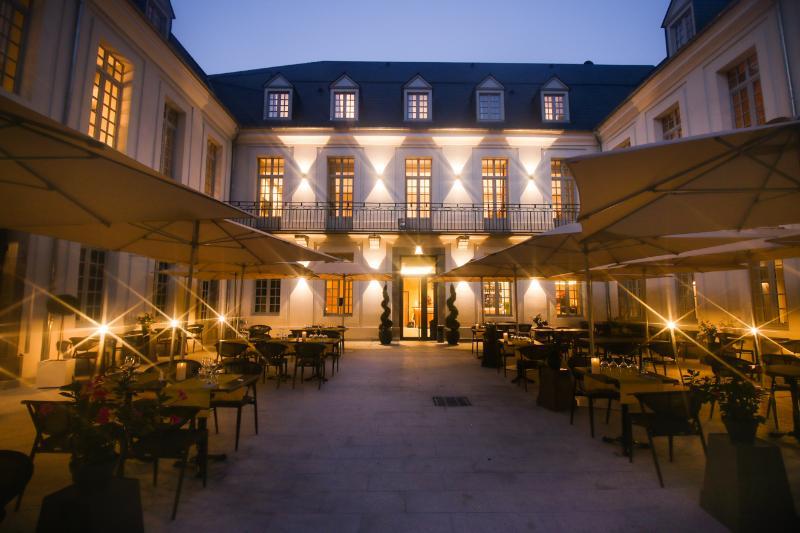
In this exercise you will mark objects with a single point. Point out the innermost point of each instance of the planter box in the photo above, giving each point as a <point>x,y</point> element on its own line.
<point>746,487</point>
<point>555,389</point>
<point>55,373</point>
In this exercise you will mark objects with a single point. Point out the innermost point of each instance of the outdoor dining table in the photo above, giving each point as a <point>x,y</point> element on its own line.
<point>514,344</point>
<point>789,370</point>
<point>628,382</point>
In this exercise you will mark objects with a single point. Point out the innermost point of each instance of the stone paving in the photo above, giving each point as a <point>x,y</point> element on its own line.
<point>370,452</point>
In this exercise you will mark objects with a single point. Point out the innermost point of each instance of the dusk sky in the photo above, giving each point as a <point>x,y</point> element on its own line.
<point>246,34</point>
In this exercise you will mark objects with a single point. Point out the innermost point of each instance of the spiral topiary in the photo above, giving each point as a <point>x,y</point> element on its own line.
<point>385,329</point>
<point>451,325</point>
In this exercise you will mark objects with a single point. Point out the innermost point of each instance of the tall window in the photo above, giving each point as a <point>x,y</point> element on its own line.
<point>91,279</point>
<point>568,299</point>
<point>494,173</point>
<point>106,108</point>
<point>417,105</point>
<point>278,104</point>
<point>341,172</point>
<point>267,296</point>
<point>169,145</point>
<point>270,186</point>
<point>14,15</point>
<point>686,296</point>
<point>671,124</point>
<point>212,155</point>
<point>209,299</point>
<point>770,294</point>
<point>161,286</point>
<point>490,106</point>
<point>564,193</point>
<point>344,105</point>
<point>497,298</point>
<point>747,103</point>
<point>338,297</point>
<point>682,30</point>
<point>418,188</point>
<point>631,295</point>
<point>555,107</point>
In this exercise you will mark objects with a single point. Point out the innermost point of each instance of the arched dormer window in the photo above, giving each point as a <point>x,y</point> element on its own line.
<point>555,101</point>
<point>344,99</point>
<point>278,94</point>
<point>417,100</point>
<point>490,101</point>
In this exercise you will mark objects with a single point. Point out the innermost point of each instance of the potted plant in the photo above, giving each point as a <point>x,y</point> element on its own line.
<point>145,320</point>
<point>739,402</point>
<point>709,331</point>
<point>385,329</point>
<point>452,333</point>
<point>539,322</point>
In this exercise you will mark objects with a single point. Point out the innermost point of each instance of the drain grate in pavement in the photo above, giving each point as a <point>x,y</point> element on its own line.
<point>451,401</point>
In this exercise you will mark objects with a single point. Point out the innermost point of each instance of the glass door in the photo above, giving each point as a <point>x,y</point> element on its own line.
<point>341,172</point>
<point>419,308</point>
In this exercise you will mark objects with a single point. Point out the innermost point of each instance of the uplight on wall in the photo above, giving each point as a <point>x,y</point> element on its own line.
<point>418,250</point>
<point>463,242</point>
<point>374,242</point>
<point>301,240</point>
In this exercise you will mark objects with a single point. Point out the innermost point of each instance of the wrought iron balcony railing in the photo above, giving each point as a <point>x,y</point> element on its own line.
<point>372,217</point>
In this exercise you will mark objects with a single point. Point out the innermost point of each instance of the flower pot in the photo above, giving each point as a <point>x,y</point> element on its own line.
<point>385,336</point>
<point>741,431</point>
<point>91,476</point>
<point>452,336</point>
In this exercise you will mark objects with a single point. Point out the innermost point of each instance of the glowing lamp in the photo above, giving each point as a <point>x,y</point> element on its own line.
<point>418,250</point>
<point>671,325</point>
<point>221,318</point>
<point>463,242</point>
<point>754,330</point>
<point>102,329</point>
<point>374,242</point>
<point>174,323</point>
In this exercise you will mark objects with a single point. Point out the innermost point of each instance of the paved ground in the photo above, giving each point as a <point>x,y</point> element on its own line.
<point>370,452</point>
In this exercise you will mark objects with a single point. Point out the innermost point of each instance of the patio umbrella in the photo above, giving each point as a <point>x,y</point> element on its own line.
<point>346,271</point>
<point>566,250</point>
<point>741,179</point>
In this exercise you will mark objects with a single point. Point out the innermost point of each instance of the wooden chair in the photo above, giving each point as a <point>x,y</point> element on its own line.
<point>194,333</point>
<point>668,414</point>
<point>579,389</point>
<point>477,341</point>
<point>309,355</point>
<point>240,398</point>
<point>230,349</point>
<point>17,469</point>
<point>273,354</point>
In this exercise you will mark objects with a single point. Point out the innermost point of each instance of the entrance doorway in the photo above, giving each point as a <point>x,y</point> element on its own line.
<point>420,302</point>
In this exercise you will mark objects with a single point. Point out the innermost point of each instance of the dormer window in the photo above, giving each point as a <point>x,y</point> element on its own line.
<point>160,15</point>
<point>344,99</point>
<point>490,101</point>
<point>555,101</point>
<point>682,30</point>
<point>417,95</point>
<point>278,99</point>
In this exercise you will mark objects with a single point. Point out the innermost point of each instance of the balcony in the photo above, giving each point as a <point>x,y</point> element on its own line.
<point>371,217</point>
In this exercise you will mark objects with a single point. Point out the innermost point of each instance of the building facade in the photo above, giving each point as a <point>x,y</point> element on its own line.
<point>408,169</point>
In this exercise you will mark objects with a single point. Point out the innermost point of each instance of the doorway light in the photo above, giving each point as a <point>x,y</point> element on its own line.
<point>419,270</point>
<point>418,250</point>
<point>374,242</point>
<point>463,242</point>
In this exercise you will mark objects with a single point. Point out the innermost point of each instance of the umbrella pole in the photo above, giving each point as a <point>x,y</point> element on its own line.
<point>646,347</point>
<point>187,299</point>
<point>516,300</point>
<point>241,297</point>
<point>589,313</point>
<point>341,300</point>
<point>480,299</point>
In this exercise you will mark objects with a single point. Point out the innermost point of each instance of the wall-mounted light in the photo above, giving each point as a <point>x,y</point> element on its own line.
<point>174,323</point>
<point>463,242</point>
<point>374,242</point>
<point>102,329</point>
<point>301,240</point>
<point>671,325</point>
<point>221,319</point>
<point>418,250</point>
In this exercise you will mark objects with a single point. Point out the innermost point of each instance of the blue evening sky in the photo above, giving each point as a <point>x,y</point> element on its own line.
<point>230,35</point>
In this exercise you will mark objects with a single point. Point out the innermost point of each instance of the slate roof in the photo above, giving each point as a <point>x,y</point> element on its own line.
<point>594,91</point>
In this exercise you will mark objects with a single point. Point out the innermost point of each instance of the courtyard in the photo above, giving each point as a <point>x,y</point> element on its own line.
<point>371,452</point>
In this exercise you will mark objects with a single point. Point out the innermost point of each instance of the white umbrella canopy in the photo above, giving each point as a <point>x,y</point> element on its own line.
<point>226,271</point>
<point>741,179</point>
<point>347,270</point>
<point>51,175</point>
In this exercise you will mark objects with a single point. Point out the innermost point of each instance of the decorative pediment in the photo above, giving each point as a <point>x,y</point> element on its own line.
<point>417,82</point>
<point>490,84</point>
<point>344,82</point>
<point>555,84</point>
<point>278,82</point>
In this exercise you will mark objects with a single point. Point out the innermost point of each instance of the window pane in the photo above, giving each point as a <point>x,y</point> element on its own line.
<point>744,84</point>
<point>270,186</point>
<point>106,100</point>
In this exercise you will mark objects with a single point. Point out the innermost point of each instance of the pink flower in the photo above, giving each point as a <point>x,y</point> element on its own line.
<point>103,415</point>
<point>174,420</point>
<point>182,395</point>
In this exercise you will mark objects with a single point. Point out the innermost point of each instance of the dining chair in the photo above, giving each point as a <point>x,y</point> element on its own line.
<point>335,352</point>
<point>777,380</point>
<point>273,354</point>
<point>531,357</point>
<point>230,349</point>
<point>660,354</point>
<point>240,398</point>
<point>668,414</point>
<point>258,331</point>
<point>168,440</point>
<point>477,341</point>
<point>579,389</point>
<point>194,333</point>
<point>309,355</point>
